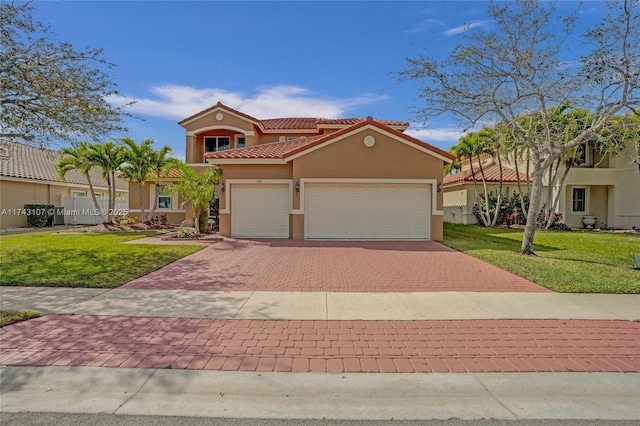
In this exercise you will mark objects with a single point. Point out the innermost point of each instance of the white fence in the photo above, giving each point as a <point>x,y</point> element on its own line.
<point>82,211</point>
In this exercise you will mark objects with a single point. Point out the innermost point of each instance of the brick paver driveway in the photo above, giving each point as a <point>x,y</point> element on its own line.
<point>324,346</point>
<point>345,266</point>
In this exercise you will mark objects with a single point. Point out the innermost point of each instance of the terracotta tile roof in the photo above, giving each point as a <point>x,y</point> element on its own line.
<point>491,172</point>
<point>282,150</point>
<point>271,150</point>
<point>293,123</point>
<point>351,121</point>
<point>289,123</point>
<point>29,162</point>
<point>173,173</point>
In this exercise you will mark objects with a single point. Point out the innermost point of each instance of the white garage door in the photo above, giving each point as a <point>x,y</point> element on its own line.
<point>260,210</point>
<point>367,211</point>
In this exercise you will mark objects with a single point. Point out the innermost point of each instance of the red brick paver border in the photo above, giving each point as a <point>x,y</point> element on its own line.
<point>325,346</point>
<point>345,266</point>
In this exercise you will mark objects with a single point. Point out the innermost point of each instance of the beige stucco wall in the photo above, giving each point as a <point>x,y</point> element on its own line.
<point>14,194</point>
<point>349,158</point>
<point>175,215</point>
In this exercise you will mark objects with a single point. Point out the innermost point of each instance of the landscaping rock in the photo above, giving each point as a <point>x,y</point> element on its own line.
<point>187,223</point>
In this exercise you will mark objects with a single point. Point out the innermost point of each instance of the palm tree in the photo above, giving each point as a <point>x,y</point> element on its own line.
<point>77,159</point>
<point>160,163</point>
<point>137,164</point>
<point>109,157</point>
<point>197,189</point>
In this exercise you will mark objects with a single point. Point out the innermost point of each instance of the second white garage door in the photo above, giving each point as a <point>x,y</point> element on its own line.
<point>260,210</point>
<point>367,211</point>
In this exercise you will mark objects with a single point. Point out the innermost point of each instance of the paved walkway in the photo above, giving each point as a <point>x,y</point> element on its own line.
<point>337,266</point>
<point>322,305</point>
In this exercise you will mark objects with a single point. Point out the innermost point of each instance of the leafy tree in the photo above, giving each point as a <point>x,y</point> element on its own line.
<point>48,89</point>
<point>478,145</point>
<point>197,189</point>
<point>528,61</point>
<point>137,164</point>
<point>109,157</point>
<point>78,159</point>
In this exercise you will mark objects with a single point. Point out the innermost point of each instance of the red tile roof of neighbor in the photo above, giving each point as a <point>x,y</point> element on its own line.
<point>294,123</point>
<point>282,150</point>
<point>30,162</point>
<point>491,172</point>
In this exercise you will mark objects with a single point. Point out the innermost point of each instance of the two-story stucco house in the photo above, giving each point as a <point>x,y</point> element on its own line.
<point>313,178</point>
<point>607,188</point>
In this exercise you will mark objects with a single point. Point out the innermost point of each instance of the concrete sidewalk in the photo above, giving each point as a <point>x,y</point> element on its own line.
<point>321,305</point>
<point>331,396</point>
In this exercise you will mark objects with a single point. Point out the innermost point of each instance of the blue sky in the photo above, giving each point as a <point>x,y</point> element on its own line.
<point>269,59</point>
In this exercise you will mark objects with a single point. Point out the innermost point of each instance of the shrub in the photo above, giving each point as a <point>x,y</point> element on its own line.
<point>186,232</point>
<point>39,215</point>
<point>510,212</point>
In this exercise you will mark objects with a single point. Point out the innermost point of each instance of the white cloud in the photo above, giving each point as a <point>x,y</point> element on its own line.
<point>462,28</point>
<point>177,102</point>
<point>442,135</point>
<point>424,25</point>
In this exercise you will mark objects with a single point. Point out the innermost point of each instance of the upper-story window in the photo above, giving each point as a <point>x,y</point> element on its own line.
<point>584,155</point>
<point>216,143</point>
<point>240,142</point>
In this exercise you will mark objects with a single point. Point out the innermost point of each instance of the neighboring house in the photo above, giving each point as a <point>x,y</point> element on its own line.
<point>28,176</point>
<point>459,192</point>
<point>310,178</point>
<point>607,188</point>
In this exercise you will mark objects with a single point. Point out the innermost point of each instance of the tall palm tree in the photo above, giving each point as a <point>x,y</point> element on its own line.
<point>137,164</point>
<point>160,163</point>
<point>77,159</point>
<point>109,157</point>
<point>197,189</point>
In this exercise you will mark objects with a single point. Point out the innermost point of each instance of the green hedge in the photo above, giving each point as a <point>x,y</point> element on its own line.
<point>39,215</point>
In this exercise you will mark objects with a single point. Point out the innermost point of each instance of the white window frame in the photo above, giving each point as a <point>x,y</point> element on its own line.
<point>588,155</point>
<point>76,193</point>
<point>217,138</point>
<point>237,141</point>
<point>586,200</point>
<point>160,195</point>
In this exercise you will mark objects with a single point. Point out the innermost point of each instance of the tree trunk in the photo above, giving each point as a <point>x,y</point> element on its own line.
<point>141,200</point>
<point>534,208</point>
<point>522,204</point>
<point>556,199</point>
<point>486,194</point>
<point>499,198</point>
<point>92,191</point>
<point>475,185</point>
<point>154,202</point>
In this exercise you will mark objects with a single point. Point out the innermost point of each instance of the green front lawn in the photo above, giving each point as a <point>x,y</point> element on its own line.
<point>12,317</point>
<point>579,261</point>
<point>82,259</point>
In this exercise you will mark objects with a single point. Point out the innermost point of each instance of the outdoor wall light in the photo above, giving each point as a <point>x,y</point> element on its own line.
<point>297,186</point>
<point>222,187</point>
<point>439,186</point>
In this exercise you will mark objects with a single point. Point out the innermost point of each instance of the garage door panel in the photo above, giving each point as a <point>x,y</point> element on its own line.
<point>260,211</point>
<point>367,211</point>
